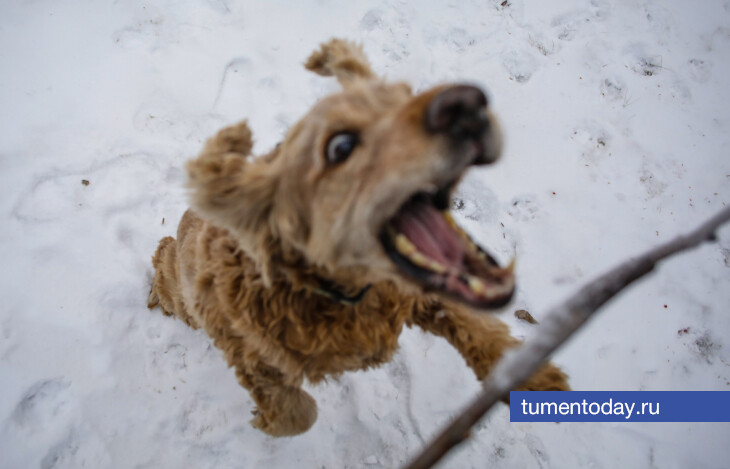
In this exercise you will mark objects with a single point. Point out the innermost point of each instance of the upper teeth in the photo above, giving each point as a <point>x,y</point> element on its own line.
<point>408,249</point>
<point>404,245</point>
<point>470,244</point>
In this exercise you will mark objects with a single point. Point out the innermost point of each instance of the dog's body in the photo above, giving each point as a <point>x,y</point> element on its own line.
<point>285,266</point>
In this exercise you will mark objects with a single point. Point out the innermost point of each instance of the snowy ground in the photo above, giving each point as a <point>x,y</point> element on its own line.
<point>617,118</point>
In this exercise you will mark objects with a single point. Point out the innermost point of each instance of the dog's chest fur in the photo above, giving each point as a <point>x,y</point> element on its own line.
<point>294,328</point>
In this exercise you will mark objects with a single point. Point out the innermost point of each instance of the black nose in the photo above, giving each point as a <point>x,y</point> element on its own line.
<point>460,111</point>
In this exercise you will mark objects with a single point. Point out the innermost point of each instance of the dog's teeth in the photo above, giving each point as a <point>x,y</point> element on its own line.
<point>457,228</point>
<point>404,245</point>
<point>408,249</point>
<point>473,248</point>
<point>450,220</point>
<point>511,267</point>
<point>452,223</point>
<point>419,259</point>
<point>430,264</point>
<point>477,286</point>
<point>436,267</point>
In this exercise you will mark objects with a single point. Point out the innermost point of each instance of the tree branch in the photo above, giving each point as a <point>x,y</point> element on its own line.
<point>561,322</point>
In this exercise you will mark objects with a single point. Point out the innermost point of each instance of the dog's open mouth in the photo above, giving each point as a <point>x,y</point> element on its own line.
<point>426,244</point>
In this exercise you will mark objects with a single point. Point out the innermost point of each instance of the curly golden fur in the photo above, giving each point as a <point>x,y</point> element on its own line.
<point>250,256</point>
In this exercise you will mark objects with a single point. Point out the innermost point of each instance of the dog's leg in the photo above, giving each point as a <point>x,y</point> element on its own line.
<point>165,291</point>
<point>481,339</point>
<point>283,410</point>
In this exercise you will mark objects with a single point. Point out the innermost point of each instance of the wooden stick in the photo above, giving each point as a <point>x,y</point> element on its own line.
<point>561,322</point>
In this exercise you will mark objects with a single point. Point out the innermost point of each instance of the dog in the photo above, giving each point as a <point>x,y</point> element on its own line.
<point>307,261</point>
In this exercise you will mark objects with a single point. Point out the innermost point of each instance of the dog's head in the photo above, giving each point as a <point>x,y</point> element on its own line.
<point>360,187</point>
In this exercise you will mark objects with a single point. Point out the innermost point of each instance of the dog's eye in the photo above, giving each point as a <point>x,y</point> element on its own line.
<point>340,147</point>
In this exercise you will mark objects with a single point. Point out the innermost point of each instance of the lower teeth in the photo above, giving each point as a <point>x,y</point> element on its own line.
<point>477,286</point>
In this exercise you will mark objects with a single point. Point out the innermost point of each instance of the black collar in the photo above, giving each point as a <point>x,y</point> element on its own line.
<point>333,291</point>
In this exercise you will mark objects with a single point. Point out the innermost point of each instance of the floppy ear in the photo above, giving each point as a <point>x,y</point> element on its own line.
<point>343,59</point>
<point>232,190</point>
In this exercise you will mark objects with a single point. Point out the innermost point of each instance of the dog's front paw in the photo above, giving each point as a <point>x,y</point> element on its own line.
<point>215,169</point>
<point>234,139</point>
<point>548,378</point>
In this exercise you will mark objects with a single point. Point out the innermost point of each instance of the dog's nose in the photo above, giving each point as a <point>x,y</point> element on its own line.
<point>460,111</point>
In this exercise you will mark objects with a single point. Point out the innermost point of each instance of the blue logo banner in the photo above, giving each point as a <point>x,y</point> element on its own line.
<point>619,406</point>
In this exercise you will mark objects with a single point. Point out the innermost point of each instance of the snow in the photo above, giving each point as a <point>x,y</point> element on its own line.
<point>617,124</point>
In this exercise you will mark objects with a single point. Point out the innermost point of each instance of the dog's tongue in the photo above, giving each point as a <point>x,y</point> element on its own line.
<point>430,247</point>
<point>429,231</point>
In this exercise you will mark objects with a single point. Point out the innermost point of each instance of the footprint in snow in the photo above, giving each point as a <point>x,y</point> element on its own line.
<point>524,208</point>
<point>699,70</point>
<point>459,39</point>
<point>63,453</point>
<point>520,64</point>
<point>569,26</point>
<point>538,451</point>
<point>119,183</point>
<point>706,347</point>
<point>42,401</point>
<point>613,89</point>
<point>642,61</point>
<point>594,142</point>
<point>725,251</point>
<point>660,21</point>
<point>234,86</point>
<point>653,184</point>
<point>373,19</point>
<point>475,202</point>
<point>544,46</point>
<point>145,32</point>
